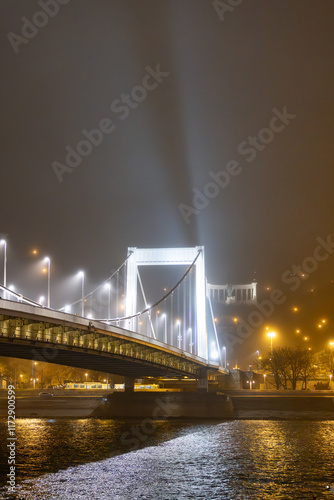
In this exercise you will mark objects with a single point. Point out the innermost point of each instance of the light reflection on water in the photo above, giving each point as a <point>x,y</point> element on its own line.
<point>231,460</point>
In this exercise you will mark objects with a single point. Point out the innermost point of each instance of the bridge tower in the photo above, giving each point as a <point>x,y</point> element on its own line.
<point>170,257</point>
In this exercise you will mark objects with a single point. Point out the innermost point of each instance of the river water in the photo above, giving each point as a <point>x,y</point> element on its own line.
<point>108,459</point>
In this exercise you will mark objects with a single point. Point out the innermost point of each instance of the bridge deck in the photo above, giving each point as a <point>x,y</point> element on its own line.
<point>43,334</point>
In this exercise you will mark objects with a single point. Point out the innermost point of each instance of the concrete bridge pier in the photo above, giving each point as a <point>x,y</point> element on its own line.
<point>203,380</point>
<point>129,384</point>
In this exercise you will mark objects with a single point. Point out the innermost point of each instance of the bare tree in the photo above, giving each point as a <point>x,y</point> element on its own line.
<point>287,364</point>
<point>277,364</point>
<point>326,361</point>
<point>307,367</point>
<point>294,365</point>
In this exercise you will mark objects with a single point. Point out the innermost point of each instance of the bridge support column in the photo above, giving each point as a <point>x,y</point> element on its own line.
<point>129,384</point>
<point>203,380</point>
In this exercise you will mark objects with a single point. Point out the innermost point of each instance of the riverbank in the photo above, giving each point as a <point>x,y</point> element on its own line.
<point>240,405</point>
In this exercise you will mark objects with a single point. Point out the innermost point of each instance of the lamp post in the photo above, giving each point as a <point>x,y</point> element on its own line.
<point>47,259</point>
<point>81,275</point>
<point>4,243</point>
<point>265,381</point>
<point>330,380</point>
<point>271,335</point>
<point>86,375</point>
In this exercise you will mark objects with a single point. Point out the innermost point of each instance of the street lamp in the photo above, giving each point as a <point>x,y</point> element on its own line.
<point>251,383</point>
<point>332,345</point>
<point>81,275</point>
<point>4,243</point>
<point>47,259</point>
<point>330,380</point>
<point>271,335</point>
<point>86,375</point>
<point>265,381</point>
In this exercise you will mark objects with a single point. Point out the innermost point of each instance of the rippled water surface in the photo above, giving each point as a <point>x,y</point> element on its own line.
<point>105,459</point>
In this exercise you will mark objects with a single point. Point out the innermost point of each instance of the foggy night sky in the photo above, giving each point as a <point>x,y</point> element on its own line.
<point>225,77</point>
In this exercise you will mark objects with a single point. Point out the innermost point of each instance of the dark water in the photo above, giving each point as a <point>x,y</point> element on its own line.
<point>105,459</point>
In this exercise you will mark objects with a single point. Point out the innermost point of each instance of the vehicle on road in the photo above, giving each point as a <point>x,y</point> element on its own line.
<point>46,395</point>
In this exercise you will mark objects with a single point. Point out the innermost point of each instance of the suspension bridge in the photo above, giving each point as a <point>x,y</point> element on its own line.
<point>115,330</point>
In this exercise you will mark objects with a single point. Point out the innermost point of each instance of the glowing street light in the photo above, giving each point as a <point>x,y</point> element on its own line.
<point>4,243</point>
<point>330,380</point>
<point>48,261</point>
<point>251,383</point>
<point>271,335</point>
<point>86,375</point>
<point>332,345</point>
<point>81,275</point>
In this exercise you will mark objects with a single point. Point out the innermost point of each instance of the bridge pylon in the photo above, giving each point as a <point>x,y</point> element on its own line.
<point>170,257</point>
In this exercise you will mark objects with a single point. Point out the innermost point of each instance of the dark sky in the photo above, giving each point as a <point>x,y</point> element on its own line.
<point>225,78</point>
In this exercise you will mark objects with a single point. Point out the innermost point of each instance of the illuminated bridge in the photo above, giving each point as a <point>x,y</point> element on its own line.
<point>176,336</point>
